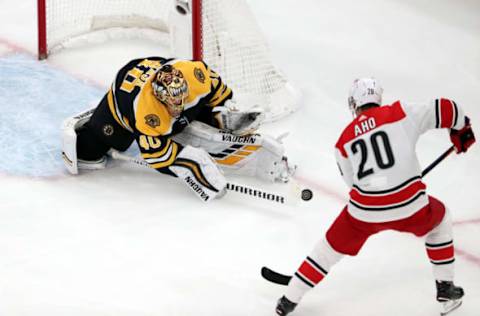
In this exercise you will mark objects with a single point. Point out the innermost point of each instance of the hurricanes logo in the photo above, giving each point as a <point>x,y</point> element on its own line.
<point>199,75</point>
<point>152,120</point>
<point>108,130</point>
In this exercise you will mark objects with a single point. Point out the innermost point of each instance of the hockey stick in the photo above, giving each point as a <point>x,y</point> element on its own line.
<point>239,188</point>
<point>283,279</point>
<point>438,160</point>
<point>275,277</point>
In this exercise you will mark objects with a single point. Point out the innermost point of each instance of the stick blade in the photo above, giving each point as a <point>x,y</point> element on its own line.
<point>275,277</point>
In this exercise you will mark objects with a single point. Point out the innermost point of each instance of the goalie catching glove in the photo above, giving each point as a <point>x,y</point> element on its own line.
<point>239,122</point>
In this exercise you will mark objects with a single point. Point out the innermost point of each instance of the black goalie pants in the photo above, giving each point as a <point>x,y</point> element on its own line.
<point>101,133</point>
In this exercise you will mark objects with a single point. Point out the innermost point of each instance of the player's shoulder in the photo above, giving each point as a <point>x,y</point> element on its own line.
<point>191,67</point>
<point>138,61</point>
<point>150,59</point>
<point>189,63</point>
<point>196,73</point>
<point>151,117</point>
<point>143,63</point>
<point>371,119</point>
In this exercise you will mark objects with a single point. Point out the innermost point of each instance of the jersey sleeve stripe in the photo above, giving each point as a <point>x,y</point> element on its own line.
<point>226,94</point>
<point>158,153</point>
<point>166,160</point>
<point>113,105</point>
<point>167,152</point>
<point>219,91</point>
<point>446,110</point>
<point>437,118</point>
<point>455,114</point>
<point>167,163</point>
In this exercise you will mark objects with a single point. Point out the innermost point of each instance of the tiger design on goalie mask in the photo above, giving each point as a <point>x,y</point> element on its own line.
<point>171,88</point>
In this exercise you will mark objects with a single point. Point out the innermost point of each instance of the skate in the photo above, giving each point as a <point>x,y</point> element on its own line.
<point>449,296</point>
<point>284,306</point>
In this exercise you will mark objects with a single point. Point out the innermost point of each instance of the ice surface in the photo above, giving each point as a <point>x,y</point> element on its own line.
<point>127,241</point>
<point>35,99</point>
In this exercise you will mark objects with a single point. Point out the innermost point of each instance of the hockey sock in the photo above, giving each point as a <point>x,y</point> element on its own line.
<point>312,270</point>
<point>442,257</point>
<point>440,250</point>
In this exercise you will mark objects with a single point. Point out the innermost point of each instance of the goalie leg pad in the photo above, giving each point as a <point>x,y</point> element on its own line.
<point>255,155</point>
<point>198,171</point>
<point>69,144</point>
<point>271,163</point>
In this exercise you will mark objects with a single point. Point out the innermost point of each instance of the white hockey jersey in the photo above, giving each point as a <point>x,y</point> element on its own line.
<point>377,159</point>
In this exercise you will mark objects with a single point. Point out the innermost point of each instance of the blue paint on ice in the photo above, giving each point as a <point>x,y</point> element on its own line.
<point>34,100</point>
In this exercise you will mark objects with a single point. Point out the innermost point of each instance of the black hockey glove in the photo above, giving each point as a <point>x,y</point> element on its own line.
<point>180,124</point>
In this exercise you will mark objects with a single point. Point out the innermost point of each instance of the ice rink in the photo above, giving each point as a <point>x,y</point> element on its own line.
<point>127,241</point>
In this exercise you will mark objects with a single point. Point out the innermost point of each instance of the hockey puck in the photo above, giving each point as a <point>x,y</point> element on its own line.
<point>307,194</point>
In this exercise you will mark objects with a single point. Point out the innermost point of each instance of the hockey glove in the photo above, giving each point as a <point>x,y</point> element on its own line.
<point>464,138</point>
<point>236,121</point>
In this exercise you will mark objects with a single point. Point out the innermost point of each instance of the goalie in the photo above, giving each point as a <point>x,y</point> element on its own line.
<point>185,122</point>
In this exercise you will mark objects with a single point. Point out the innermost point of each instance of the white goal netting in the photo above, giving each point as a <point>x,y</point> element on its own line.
<point>232,42</point>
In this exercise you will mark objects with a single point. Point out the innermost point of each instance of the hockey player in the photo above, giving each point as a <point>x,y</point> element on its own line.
<point>153,100</point>
<point>376,157</point>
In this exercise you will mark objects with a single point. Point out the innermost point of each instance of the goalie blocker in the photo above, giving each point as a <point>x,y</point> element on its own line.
<point>199,172</point>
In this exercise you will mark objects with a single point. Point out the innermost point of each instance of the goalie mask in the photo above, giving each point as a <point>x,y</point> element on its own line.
<point>171,88</point>
<point>364,91</point>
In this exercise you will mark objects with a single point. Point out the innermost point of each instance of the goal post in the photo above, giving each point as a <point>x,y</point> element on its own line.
<point>197,28</point>
<point>42,29</point>
<point>223,33</point>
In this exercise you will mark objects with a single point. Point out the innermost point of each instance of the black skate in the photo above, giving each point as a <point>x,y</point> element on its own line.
<point>449,295</point>
<point>285,306</point>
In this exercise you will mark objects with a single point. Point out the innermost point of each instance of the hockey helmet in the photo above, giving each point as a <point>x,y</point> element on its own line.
<point>171,88</point>
<point>364,91</point>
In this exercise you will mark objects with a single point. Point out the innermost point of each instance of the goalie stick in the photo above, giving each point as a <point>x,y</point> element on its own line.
<point>234,187</point>
<point>283,279</point>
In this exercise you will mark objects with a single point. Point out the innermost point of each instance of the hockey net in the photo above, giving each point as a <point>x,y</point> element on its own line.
<point>224,33</point>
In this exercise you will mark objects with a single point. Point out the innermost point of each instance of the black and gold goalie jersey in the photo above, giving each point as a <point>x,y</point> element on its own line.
<point>132,103</point>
